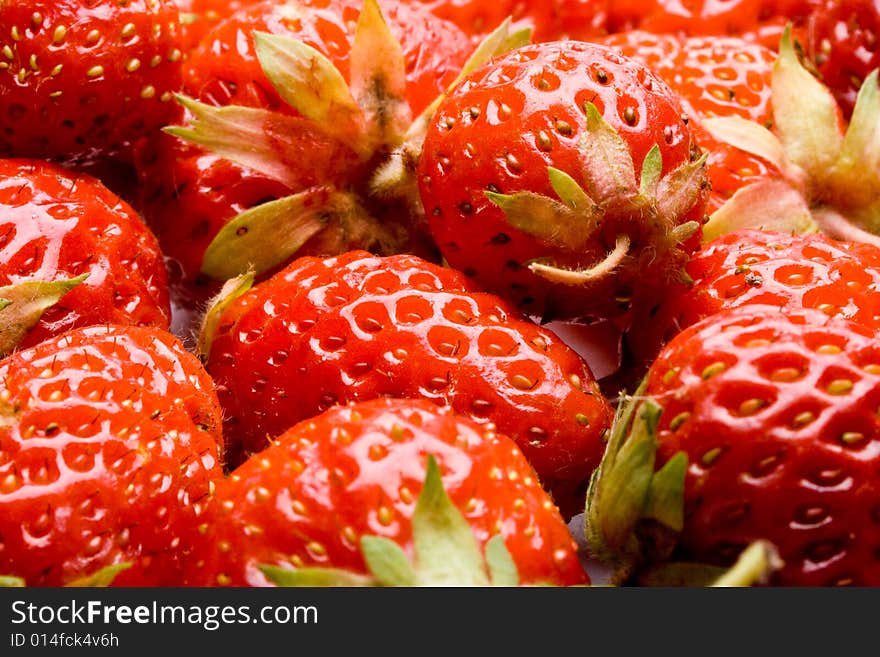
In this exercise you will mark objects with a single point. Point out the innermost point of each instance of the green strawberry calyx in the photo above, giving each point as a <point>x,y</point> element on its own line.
<point>635,513</point>
<point>23,304</point>
<point>754,566</point>
<point>231,290</point>
<point>365,121</point>
<point>829,177</point>
<point>446,552</point>
<point>647,212</point>
<point>99,579</point>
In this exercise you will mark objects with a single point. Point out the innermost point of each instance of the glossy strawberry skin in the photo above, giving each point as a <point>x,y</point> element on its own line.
<point>188,195</point>
<point>502,128</point>
<point>714,76</point>
<point>751,267</point>
<point>778,415</point>
<point>87,79</point>
<point>56,225</point>
<point>357,470</point>
<point>358,327</point>
<point>109,448</point>
<point>843,44</point>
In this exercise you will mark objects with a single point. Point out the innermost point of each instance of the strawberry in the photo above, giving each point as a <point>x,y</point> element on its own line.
<point>551,19</point>
<point>109,447</point>
<point>768,431</point>
<point>83,79</point>
<point>505,159</point>
<point>57,227</point>
<point>713,76</point>
<point>826,171</point>
<point>843,44</point>
<point>751,267</point>
<point>356,327</point>
<point>306,136</point>
<point>308,499</point>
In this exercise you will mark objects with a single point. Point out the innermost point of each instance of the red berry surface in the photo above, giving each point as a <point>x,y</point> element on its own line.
<point>777,413</point>
<point>109,447</point>
<point>357,470</point>
<point>357,327</point>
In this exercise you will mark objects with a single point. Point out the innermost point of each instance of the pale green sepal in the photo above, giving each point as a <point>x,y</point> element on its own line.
<point>502,568</point>
<point>750,137</point>
<point>678,191</point>
<point>570,192</point>
<point>546,219</point>
<point>626,485</point>
<point>255,138</point>
<point>315,577</point>
<point>628,503</point>
<point>835,225</point>
<point>378,77</point>
<point>804,113</point>
<point>269,234</point>
<point>610,173</point>
<point>232,290</point>
<point>652,169</point>
<point>446,550</point>
<point>23,304</point>
<point>855,178</point>
<point>388,562</point>
<point>102,578</point>
<point>771,205</point>
<point>665,501</point>
<point>310,83</point>
<point>755,565</point>
<point>10,582</point>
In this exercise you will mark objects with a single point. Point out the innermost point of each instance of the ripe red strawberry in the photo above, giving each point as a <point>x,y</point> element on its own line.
<point>714,76</point>
<point>828,177</point>
<point>81,79</point>
<point>751,267</point>
<point>776,415</point>
<point>109,447</point>
<point>504,163</point>
<point>56,226</point>
<point>843,44</point>
<point>551,19</point>
<point>358,327</point>
<point>307,500</point>
<point>263,136</point>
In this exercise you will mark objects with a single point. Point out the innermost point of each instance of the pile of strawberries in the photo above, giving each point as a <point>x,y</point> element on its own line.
<point>304,341</point>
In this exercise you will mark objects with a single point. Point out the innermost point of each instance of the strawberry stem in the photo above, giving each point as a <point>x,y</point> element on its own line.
<point>585,276</point>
